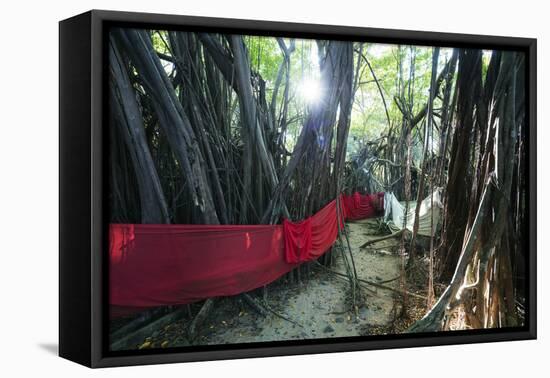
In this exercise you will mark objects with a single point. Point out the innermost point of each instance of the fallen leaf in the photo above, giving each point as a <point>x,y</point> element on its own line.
<point>145,345</point>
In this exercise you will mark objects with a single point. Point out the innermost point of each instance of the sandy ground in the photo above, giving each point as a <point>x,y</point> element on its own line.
<point>318,307</point>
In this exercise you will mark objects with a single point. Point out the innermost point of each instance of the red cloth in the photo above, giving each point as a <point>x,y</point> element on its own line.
<point>310,238</point>
<point>361,206</point>
<point>297,240</point>
<point>178,264</point>
<point>156,265</point>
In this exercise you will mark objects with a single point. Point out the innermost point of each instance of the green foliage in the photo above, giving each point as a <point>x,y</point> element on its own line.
<point>160,41</point>
<point>390,63</point>
<point>401,71</point>
<point>265,56</point>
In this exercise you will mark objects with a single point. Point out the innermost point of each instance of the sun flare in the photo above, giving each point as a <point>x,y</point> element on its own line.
<point>310,90</point>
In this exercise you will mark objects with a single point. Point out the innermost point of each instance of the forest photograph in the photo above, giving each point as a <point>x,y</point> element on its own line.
<point>272,188</point>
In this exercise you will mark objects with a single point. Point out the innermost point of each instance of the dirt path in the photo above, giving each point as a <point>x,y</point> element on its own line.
<point>317,305</point>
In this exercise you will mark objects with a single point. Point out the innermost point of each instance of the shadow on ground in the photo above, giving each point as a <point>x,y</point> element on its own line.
<point>51,348</point>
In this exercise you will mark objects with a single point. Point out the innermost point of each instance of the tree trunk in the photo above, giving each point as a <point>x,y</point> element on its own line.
<point>137,45</point>
<point>129,120</point>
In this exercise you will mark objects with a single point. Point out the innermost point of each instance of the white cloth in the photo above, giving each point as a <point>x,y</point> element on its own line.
<point>394,213</point>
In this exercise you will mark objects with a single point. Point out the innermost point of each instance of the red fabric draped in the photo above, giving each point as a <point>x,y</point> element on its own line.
<point>155,265</point>
<point>361,206</point>
<point>178,264</point>
<point>297,240</point>
<point>310,238</point>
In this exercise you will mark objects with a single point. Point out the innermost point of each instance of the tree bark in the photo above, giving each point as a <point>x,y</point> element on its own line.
<point>137,45</point>
<point>129,119</point>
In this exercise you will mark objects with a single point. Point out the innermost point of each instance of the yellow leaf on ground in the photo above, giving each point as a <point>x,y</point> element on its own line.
<point>145,345</point>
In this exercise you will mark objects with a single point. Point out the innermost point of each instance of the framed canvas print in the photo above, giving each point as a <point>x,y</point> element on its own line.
<point>234,188</point>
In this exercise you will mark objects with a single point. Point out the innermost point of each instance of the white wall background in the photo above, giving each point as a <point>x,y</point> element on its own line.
<point>29,185</point>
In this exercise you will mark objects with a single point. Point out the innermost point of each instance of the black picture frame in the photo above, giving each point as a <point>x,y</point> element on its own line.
<point>82,206</point>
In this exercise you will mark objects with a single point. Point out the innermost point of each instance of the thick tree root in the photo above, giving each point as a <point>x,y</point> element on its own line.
<point>199,319</point>
<point>372,241</point>
<point>130,341</point>
<point>256,306</point>
<point>264,310</point>
<point>137,323</point>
